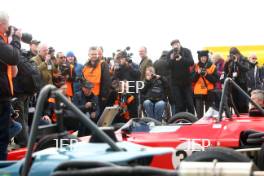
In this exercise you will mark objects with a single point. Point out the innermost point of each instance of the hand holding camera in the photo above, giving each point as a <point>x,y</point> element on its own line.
<point>88,105</point>
<point>233,57</point>
<point>91,106</point>
<point>154,76</point>
<point>176,54</point>
<point>24,37</point>
<point>202,71</point>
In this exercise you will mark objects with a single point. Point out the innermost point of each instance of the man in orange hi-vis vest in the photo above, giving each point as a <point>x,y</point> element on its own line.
<point>9,56</point>
<point>97,72</point>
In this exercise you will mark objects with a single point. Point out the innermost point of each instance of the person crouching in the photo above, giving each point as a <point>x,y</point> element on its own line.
<point>87,102</point>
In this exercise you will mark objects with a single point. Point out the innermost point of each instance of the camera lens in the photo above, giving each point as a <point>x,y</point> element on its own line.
<point>26,38</point>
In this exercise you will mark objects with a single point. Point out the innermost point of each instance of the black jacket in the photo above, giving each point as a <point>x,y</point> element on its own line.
<point>129,73</point>
<point>180,70</point>
<point>9,55</point>
<point>80,100</point>
<point>255,77</point>
<point>241,67</point>
<point>155,90</point>
<point>162,66</point>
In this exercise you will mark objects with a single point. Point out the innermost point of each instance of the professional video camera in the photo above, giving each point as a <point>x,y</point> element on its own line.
<point>26,37</point>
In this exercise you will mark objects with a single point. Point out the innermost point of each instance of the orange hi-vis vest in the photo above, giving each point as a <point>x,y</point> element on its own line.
<point>69,90</point>
<point>202,86</point>
<point>9,67</point>
<point>93,75</point>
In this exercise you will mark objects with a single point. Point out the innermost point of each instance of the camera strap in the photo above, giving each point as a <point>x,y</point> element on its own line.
<point>205,83</point>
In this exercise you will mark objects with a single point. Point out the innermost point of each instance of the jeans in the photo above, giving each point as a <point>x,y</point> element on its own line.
<point>22,105</point>
<point>154,109</point>
<point>5,111</point>
<point>14,128</point>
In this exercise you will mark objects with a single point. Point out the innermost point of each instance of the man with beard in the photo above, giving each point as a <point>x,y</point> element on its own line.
<point>180,60</point>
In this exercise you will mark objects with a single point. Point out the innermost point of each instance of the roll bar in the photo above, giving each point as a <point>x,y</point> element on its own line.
<point>60,98</point>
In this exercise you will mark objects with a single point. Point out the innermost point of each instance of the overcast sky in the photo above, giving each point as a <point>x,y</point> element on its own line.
<point>78,24</point>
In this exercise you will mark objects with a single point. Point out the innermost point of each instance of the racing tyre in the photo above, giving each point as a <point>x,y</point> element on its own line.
<point>182,118</point>
<point>219,153</point>
<point>260,158</point>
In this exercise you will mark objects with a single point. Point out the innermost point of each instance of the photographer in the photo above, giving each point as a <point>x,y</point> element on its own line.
<point>236,68</point>
<point>180,60</point>
<point>125,69</point>
<point>155,94</point>
<point>205,77</point>
<point>9,56</point>
<point>59,71</point>
<point>87,102</point>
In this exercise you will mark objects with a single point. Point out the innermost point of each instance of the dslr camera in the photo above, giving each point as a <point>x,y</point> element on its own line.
<point>65,69</point>
<point>26,37</point>
<point>153,76</point>
<point>203,71</point>
<point>93,108</point>
<point>176,53</point>
<point>232,57</point>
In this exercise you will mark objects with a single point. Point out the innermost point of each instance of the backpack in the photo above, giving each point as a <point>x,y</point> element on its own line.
<point>28,80</point>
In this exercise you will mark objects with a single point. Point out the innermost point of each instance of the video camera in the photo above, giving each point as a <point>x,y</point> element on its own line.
<point>26,37</point>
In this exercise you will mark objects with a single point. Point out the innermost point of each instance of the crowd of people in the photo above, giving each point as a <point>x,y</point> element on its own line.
<point>174,80</point>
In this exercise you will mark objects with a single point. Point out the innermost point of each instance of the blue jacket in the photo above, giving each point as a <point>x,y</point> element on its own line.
<point>80,100</point>
<point>78,72</point>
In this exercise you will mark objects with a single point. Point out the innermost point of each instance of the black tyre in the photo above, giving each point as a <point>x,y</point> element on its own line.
<point>220,154</point>
<point>260,158</point>
<point>183,117</point>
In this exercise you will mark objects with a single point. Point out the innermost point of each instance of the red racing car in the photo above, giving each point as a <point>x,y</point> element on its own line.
<point>233,131</point>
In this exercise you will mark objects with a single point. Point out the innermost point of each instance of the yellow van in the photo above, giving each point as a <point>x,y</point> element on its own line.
<point>246,50</point>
